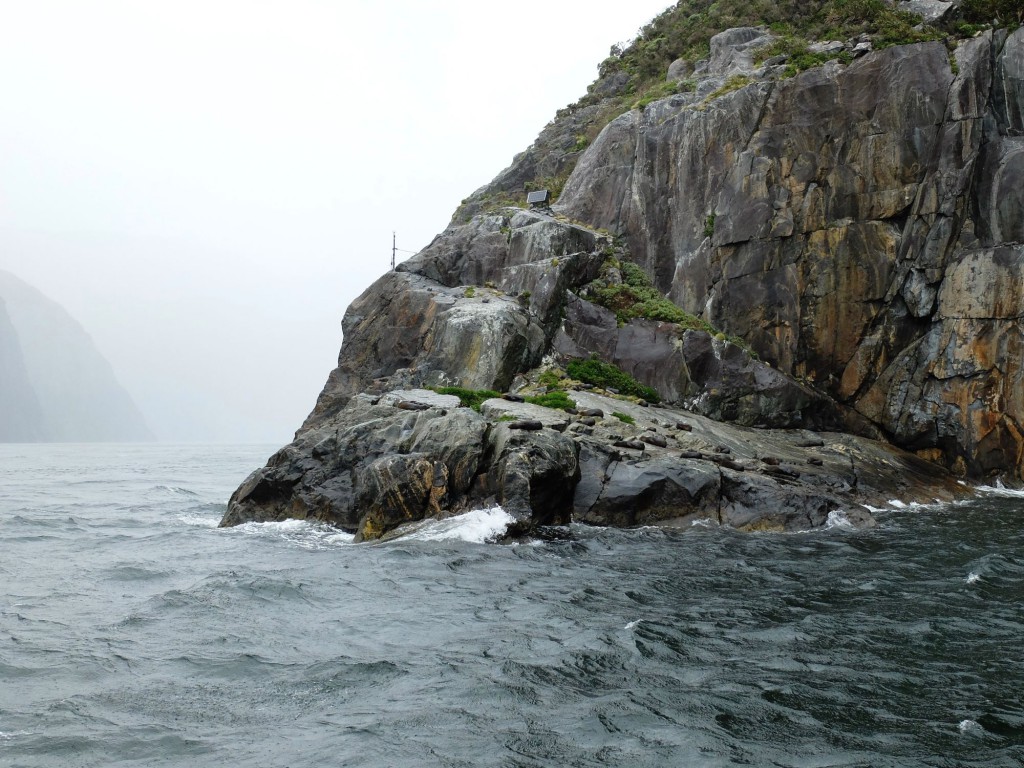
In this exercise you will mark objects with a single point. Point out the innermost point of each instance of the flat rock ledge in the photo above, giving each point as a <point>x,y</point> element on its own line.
<point>385,461</point>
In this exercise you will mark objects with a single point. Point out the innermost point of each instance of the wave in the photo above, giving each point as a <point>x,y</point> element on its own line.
<point>478,526</point>
<point>1001,490</point>
<point>175,490</point>
<point>838,519</point>
<point>970,726</point>
<point>898,505</point>
<point>199,521</point>
<point>304,533</point>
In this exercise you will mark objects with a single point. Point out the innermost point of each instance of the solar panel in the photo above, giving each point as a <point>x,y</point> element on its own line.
<point>538,197</point>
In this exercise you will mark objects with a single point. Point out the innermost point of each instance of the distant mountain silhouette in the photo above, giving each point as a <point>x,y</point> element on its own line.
<point>55,386</point>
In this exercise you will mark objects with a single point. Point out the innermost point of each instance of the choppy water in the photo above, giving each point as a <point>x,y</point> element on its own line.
<point>135,633</point>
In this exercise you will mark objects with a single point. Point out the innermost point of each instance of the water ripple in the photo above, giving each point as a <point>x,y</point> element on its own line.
<point>140,634</point>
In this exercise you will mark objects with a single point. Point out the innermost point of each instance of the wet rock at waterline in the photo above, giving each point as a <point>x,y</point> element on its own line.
<point>375,465</point>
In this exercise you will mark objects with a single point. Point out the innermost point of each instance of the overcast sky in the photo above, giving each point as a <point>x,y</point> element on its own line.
<point>206,185</point>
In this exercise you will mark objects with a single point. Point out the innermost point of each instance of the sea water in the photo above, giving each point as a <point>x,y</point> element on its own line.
<point>134,632</point>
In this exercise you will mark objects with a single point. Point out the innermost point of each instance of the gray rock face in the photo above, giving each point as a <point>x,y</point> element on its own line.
<point>533,475</point>
<point>735,387</point>
<point>712,377</point>
<point>841,202</point>
<point>407,330</point>
<point>344,470</point>
<point>680,69</point>
<point>474,308</point>
<point>928,10</point>
<point>374,465</point>
<point>649,351</point>
<point>732,51</point>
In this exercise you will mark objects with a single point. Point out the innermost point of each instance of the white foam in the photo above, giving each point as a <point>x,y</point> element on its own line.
<point>966,726</point>
<point>277,526</point>
<point>973,578</point>
<point>200,521</point>
<point>1001,490</point>
<point>477,526</point>
<point>633,624</point>
<point>914,506</point>
<point>837,519</point>
<point>175,490</point>
<point>894,504</point>
<point>339,537</point>
<point>304,533</point>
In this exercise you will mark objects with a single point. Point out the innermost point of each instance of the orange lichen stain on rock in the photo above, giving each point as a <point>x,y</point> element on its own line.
<point>405,490</point>
<point>959,467</point>
<point>982,423</point>
<point>857,370</point>
<point>1018,439</point>
<point>969,347</point>
<point>848,270</point>
<point>766,525</point>
<point>471,356</point>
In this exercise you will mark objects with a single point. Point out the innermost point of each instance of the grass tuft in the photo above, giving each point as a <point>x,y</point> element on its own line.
<point>557,399</point>
<point>469,398</point>
<point>601,374</point>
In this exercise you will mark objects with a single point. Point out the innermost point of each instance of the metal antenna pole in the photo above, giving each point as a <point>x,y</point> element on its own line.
<point>393,249</point>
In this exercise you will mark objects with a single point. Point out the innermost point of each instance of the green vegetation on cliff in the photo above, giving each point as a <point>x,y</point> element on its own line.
<point>468,398</point>
<point>1008,13</point>
<point>684,31</point>
<point>473,398</point>
<point>556,399</point>
<point>799,56</point>
<point>636,297</point>
<point>601,374</point>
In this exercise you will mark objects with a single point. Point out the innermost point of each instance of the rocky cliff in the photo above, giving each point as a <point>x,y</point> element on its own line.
<point>55,386</point>
<point>818,275</point>
<point>866,232</point>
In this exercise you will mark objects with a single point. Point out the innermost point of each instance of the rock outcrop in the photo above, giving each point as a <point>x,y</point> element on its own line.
<point>380,462</point>
<point>847,243</point>
<point>867,226</point>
